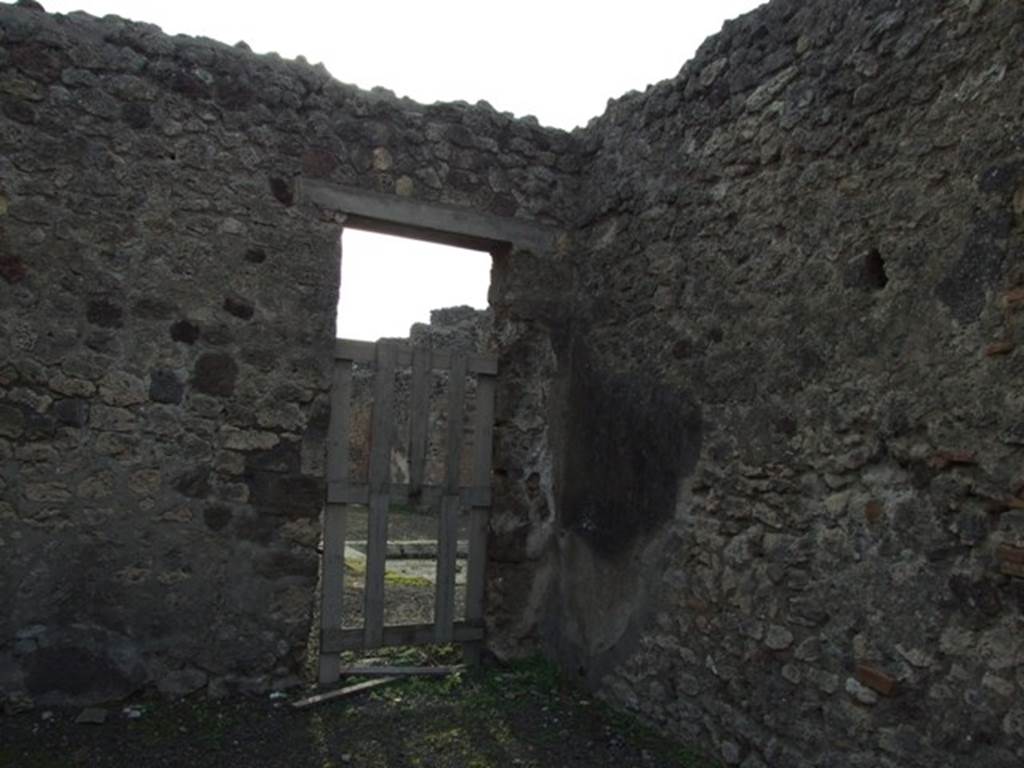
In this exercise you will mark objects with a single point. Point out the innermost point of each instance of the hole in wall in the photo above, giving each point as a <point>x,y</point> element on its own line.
<point>874,270</point>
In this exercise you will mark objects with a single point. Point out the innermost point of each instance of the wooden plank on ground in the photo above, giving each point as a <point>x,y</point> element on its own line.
<point>363,352</point>
<point>337,640</point>
<point>380,479</point>
<point>393,671</point>
<point>419,413</point>
<point>332,562</point>
<point>483,437</point>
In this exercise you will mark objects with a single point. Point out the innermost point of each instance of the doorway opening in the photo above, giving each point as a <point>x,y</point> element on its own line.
<point>408,448</point>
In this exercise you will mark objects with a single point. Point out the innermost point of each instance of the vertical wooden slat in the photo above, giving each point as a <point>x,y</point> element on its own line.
<point>483,431</point>
<point>338,429</point>
<point>419,412</point>
<point>333,561</point>
<point>447,550</point>
<point>444,605</point>
<point>483,434</point>
<point>456,415</point>
<point>332,586</point>
<point>380,480</point>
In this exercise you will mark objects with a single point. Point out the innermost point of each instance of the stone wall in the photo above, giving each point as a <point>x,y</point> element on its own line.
<point>759,432</point>
<point>796,344</point>
<point>167,303</point>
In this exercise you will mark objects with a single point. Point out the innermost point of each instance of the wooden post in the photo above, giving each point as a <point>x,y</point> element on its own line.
<point>447,530</point>
<point>332,563</point>
<point>483,435</point>
<point>419,413</point>
<point>380,480</point>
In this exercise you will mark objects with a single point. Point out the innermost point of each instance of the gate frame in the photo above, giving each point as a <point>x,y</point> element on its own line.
<point>448,225</point>
<point>379,492</point>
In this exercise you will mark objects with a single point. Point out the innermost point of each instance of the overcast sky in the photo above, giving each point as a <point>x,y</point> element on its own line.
<point>559,60</point>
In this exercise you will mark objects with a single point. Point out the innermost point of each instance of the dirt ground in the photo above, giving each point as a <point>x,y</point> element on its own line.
<point>520,716</point>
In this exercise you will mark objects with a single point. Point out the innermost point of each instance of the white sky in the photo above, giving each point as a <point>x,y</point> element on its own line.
<point>389,283</point>
<point>560,60</point>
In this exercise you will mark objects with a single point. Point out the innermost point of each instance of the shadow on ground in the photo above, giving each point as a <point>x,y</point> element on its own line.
<point>520,716</point>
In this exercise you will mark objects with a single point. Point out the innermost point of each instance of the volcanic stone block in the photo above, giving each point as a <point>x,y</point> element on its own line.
<point>12,420</point>
<point>194,483</point>
<point>291,495</point>
<point>215,374</point>
<point>165,387</point>
<point>83,664</point>
<point>238,307</point>
<point>72,412</point>
<point>105,314</point>
<point>217,517</point>
<point>11,268</point>
<point>185,331</point>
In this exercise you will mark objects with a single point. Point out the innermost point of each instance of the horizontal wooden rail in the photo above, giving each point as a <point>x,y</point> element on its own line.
<point>338,640</point>
<point>415,549</point>
<point>365,352</point>
<point>359,493</point>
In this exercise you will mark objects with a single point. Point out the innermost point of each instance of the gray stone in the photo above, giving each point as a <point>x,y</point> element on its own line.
<point>105,314</point>
<point>82,664</point>
<point>248,440</point>
<point>72,387</point>
<point>218,688</point>
<point>12,421</point>
<point>16,703</point>
<point>92,716</point>
<point>731,753</point>
<point>861,693</point>
<point>111,418</point>
<point>72,412</point>
<point>165,387</point>
<point>121,388</point>
<point>181,682</point>
<point>916,656</point>
<point>778,638</point>
<point>47,492</point>
<point>217,517</point>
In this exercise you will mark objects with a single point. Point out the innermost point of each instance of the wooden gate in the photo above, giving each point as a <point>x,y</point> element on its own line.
<point>378,493</point>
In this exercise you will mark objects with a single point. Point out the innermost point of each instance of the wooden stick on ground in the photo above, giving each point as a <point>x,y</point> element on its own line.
<point>349,690</point>
<point>386,674</point>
